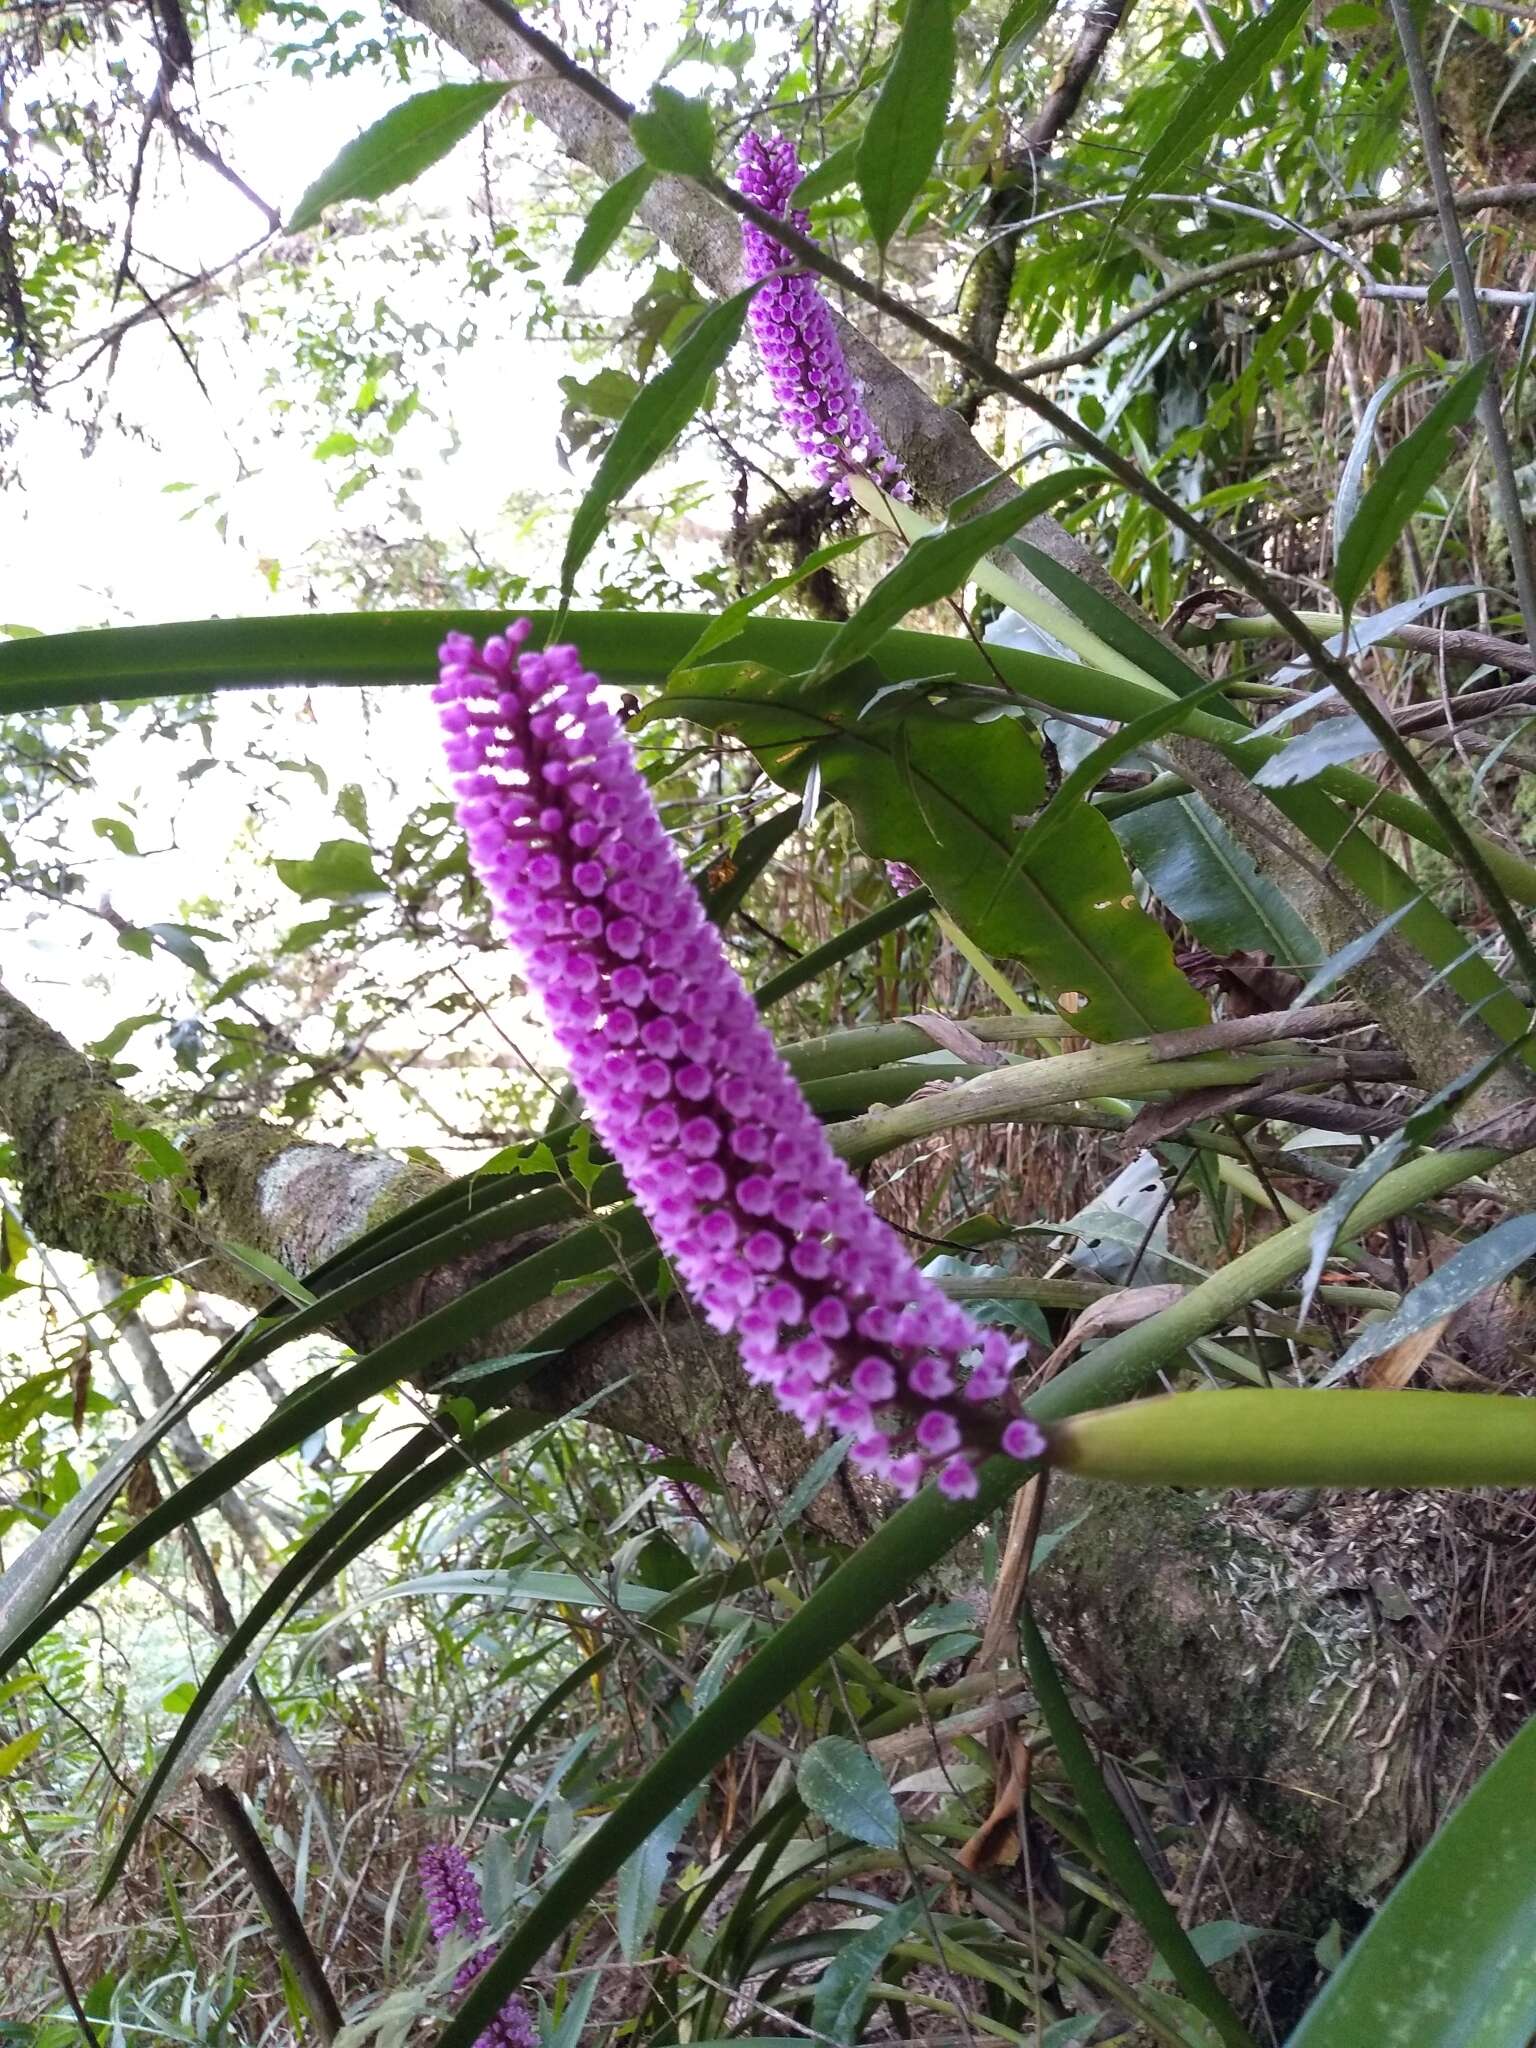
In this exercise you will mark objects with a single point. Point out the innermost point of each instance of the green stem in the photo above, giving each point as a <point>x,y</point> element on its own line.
<point>1297,1436</point>
<point>1125,1364</point>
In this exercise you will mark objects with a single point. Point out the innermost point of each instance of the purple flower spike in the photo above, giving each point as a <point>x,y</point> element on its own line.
<point>449,1888</point>
<point>767,1229</point>
<point>902,878</point>
<point>454,1912</point>
<point>797,338</point>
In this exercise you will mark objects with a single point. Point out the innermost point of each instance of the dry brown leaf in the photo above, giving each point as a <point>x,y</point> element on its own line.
<point>953,1037</point>
<point>1396,1366</point>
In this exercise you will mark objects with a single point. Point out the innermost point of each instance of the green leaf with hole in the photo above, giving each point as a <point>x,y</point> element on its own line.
<point>408,140</point>
<point>843,1785</point>
<point>675,133</point>
<point>1446,1962</point>
<point>1401,483</point>
<point>659,413</point>
<point>609,217</point>
<point>927,785</point>
<point>906,124</point>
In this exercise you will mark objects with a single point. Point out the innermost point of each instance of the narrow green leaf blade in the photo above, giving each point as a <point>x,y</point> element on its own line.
<point>1400,484</point>
<point>843,1991</point>
<point>906,124</point>
<point>408,140</point>
<point>658,414</point>
<point>610,216</point>
<point>1206,109</point>
<point>1465,1275</point>
<point>1117,1845</point>
<point>1446,1963</point>
<point>936,566</point>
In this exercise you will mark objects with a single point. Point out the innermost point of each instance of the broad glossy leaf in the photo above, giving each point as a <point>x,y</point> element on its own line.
<point>407,141</point>
<point>901,141</point>
<point>1199,871</point>
<point>946,795</point>
<point>1401,483</point>
<point>610,216</point>
<point>661,410</point>
<point>843,1785</point>
<point>1121,1858</point>
<point>1207,108</point>
<point>1446,1962</point>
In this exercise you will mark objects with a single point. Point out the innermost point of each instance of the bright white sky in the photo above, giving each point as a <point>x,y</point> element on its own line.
<point>106,538</point>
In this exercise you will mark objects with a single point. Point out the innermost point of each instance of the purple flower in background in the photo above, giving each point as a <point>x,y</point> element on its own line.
<point>797,338</point>
<point>682,1496</point>
<point>903,879</point>
<point>768,1230</point>
<point>454,1912</point>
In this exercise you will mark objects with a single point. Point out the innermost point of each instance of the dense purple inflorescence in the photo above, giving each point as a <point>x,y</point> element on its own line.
<point>797,338</point>
<point>767,1229</point>
<point>903,879</point>
<point>454,1912</point>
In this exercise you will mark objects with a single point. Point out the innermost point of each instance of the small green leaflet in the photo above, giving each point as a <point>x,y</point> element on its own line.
<point>407,141</point>
<point>1400,485</point>
<point>264,1267</point>
<point>676,134</point>
<point>337,868</point>
<point>1207,107</point>
<point>843,1785</point>
<point>829,176</point>
<point>906,127</point>
<point>607,221</point>
<point>661,409</point>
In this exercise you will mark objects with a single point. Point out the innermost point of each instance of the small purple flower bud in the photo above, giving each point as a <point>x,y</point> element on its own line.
<point>903,879</point>
<point>797,338</point>
<point>454,1912</point>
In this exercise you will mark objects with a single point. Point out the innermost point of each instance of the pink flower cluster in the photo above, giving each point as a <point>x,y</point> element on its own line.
<point>767,1229</point>
<point>454,1912</point>
<point>796,337</point>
